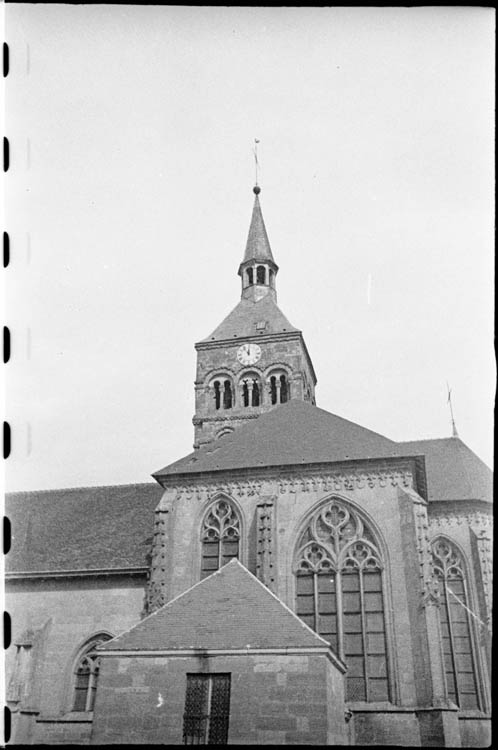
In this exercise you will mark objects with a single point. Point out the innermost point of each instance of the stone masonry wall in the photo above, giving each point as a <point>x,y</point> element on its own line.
<point>274,699</point>
<point>69,611</point>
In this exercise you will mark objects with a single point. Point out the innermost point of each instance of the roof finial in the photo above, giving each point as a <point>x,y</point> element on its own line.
<point>256,188</point>
<point>454,429</point>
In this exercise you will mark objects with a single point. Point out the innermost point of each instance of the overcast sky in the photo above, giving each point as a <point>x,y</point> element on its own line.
<point>129,200</point>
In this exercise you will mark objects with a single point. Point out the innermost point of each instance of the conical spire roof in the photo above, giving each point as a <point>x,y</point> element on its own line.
<point>258,245</point>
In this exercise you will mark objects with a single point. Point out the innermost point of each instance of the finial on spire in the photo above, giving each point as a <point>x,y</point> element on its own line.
<point>454,429</point>
<point>256,164</point>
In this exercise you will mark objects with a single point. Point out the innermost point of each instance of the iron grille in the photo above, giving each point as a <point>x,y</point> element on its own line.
<point>207,709</point>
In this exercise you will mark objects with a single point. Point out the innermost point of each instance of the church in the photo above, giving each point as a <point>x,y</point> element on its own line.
<point>296,579</point>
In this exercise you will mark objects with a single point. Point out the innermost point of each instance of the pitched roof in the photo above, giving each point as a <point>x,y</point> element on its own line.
<point>81,528</point>
<point>242,320</point>
<point>258,244</point>
<point>229,610</point>
<point>454,472</point>
<point>292,433</point>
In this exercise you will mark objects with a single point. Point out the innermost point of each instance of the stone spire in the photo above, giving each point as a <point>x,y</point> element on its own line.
<point>258,268</point>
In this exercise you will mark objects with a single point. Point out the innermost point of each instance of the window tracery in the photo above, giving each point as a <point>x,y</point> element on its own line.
<point>339,594</point>
<point>220,536</point>
<point>86,674</point>
<point>456,625</point>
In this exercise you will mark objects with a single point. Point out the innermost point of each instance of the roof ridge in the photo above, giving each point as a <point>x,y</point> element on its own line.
<point>81,487</point>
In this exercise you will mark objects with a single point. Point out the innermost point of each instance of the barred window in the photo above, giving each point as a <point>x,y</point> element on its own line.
<point>339,594</point>
<point>207,709</point>
<point>456,625</point>
<point>85,676</point>
<point>220,537</point>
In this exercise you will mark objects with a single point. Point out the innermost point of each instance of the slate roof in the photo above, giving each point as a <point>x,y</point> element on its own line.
<point>230,609</point>
<point>454,471</point>
<point>241,322</point>
<point>293,433</point>
<point>82,528</point>
<point>258,244</point>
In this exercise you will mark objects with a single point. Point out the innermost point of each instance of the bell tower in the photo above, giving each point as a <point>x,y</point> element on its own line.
<point>255,359</point>
<point>258,269</point>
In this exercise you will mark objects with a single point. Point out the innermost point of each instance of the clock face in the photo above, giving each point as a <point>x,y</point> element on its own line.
<point>248,354</point>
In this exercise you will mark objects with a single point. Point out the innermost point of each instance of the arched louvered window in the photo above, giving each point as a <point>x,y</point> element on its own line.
<point>220,536</point>
<point>456,625</point>
<point>339,594</point>
<point>86,673</point>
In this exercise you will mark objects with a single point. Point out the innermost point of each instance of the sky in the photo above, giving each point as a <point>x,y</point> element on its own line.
<point>129,198</point>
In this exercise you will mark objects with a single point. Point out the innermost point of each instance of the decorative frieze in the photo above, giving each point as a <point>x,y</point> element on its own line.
<point>469,518</point>
<point>350,480</point>
<point>320,483</point>
<point>209,491</point>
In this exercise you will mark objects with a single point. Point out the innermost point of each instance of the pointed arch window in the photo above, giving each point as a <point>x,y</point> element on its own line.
<point>456,625</point>
<point>86,674</point>
<point>339,593</point>
<point>220,537</point>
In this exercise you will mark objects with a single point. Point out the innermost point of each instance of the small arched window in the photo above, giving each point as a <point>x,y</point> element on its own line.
<point>279,389</point>
<point>245,393</point>
<point>217,394</point>
<point>456,626</point>
<point>251,392</point>
<point>86,674</point>
<point>271,275</point>
<point>261,274</point>
<point>227,395</point>
<point>284,390</point>
<point>220,537</point>
<point>339,594</point>
<point>250,280</point>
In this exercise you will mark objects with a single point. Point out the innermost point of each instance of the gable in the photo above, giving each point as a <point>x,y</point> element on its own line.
<point>229,610</point>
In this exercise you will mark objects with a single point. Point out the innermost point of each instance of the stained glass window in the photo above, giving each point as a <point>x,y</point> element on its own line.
<point>220,537</point>
<point>456,625</point>
<point>339,594</point>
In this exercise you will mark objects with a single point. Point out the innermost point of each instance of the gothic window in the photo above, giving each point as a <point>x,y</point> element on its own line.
<point>456,625</point>
<point>207,709</point>
<point>85,676</point>
<point>217,394</point>
<point>249,276</point>
<point>227,395</point>
<point>260,274</point>
<point>220,537</point>
<point>339,594</point>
